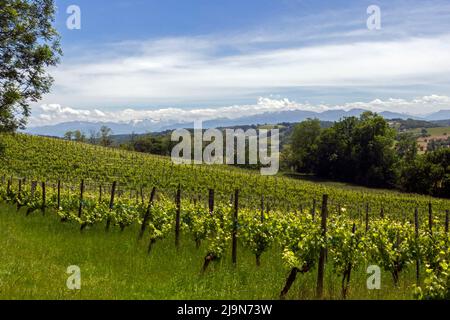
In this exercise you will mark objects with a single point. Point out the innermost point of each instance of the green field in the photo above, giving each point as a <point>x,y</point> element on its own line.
<point>37,250</point>
<point>438,131</point>
<point>275,220</point>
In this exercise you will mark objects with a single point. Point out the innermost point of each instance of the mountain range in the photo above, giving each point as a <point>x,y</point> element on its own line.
<point>145,126</point>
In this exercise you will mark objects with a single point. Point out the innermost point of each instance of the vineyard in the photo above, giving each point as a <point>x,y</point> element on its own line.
<point>308,228</point>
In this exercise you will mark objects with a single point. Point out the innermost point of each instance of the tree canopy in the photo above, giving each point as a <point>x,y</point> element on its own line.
<point>428,174</point>
<point>304,140</point>
<point>367,151</point>
<point>354,149</point>
<point>28,46</point>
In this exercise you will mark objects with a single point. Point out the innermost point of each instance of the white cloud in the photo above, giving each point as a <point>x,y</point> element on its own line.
<point>52,114</point>
<point>190,70</point>
<point>418,106</point>
<point>297,54</point>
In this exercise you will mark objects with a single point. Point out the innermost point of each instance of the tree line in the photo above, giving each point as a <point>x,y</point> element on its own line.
<point>367,151</point>
<point>102,137</point>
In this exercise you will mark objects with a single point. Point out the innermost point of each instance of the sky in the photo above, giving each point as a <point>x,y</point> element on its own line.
<point>203,59</point>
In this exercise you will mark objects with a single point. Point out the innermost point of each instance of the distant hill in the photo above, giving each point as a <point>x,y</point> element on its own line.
<point>394,115</point>
<point>60,129</point>
<point>285,131</point>
<point>291,116</point>
<point>440,115</point>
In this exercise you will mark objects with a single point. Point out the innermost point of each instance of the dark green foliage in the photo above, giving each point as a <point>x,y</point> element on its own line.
<point>436,144</point>
<point>105,136</point>
<point>160,145</point>
<point>407,146</point>
<point>335,157</point>
<point>428,174</point>
<point>76,135</point>
<point>354,149</point>
<point>364,151</point>
<point>305,139</point>
<point>413,124</point>
<point>28,45</point>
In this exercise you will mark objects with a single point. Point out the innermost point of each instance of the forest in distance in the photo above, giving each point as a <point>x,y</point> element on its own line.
<point>369,151</point>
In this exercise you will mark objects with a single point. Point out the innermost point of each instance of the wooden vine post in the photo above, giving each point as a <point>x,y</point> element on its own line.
<point>416,227</point>
<point>367,217</point>
<point>64,218</point>
<point>33,189</point>
<point>235,226</point>
<point>321,267</point>
<point>430,217</point>
<point>211,201</point>
<point>262,203</point>
<point>178,217</point>
<point>313,211</point>
<point>348,269</point>
<point>43,198</point>
<point>59,194</point>
<point>262,209</point>
<point>8,188</point>
<point>80,208</point>
<point>111,203</point>
<point>147,214</point>
<point>446,221</point>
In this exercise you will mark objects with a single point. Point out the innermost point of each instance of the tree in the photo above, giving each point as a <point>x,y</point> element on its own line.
<point>105,136</point>
<point>428,174</point>
<point>336,150</point>
<point>68,135</point>
<point>75,135</point>
<point>28,45</point>
<point>374,151</point>
<point>79,136</point>
<point>304,144</point>
<point>154,144</point>
<point>93,136</point>
<point>406,146</point>
<point>358,150</point>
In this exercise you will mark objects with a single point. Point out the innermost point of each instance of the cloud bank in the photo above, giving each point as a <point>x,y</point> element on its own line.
<point>187,70</point>
<point>298,57</point>
<point>54,113</point>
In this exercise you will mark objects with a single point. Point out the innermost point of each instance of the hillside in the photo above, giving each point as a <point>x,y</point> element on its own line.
<point>248,239</point>
<point>52,159</point>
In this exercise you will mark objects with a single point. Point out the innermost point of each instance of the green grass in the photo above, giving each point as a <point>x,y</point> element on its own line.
<point>438,131</point>
<point>37,250</point>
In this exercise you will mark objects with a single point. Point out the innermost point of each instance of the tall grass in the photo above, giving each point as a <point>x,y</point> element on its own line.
<point>37,250</point>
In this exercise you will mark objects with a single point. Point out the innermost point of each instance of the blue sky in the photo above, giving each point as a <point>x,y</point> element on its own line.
<point>172,59</point>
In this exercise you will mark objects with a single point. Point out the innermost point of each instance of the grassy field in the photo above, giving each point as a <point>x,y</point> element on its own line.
<point>37,250</point>
<point>438,131</point>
